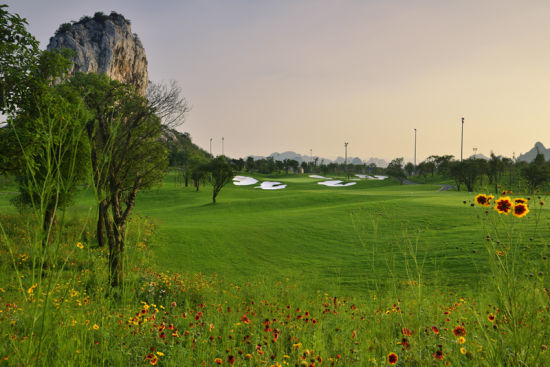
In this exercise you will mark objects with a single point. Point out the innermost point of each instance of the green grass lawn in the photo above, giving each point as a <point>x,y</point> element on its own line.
<point>332,238</point>
<point>347,275</point>
<point>338,239</point>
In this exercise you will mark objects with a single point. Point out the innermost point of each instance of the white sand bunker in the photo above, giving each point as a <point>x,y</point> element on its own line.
<point>244,181</point>
<point>336,183</point>
<point>375,177</point>
<point>321,177</point>
<point>271,185</point>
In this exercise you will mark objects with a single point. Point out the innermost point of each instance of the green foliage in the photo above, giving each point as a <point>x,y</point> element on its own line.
<point>456,171</point>
<point>495,170</point>
<point>84,19</point>
<point>52,142</point>
<point>127,155</point>
<point>196,169</point>
<point>63,28</point>
<point>100,17</point>
<point>19,55</point>
<point>374,263</point>
<point>220,175</point>
<point>42,143</point>
<point>409,168</point>
<point>181,150</point>
<point>536,173</point>
<point>471,170</point>
<point>395,170</point>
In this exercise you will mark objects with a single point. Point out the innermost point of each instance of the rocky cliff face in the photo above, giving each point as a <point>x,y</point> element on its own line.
<point>105,44</point>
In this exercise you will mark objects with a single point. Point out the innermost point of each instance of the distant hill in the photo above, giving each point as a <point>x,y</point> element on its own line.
<point>530,155</point>
<point>180,147</point>
<point>306,158</point>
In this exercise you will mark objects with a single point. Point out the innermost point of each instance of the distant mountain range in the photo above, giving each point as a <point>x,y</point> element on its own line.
<point>379,162</point>
<point>530,155</point>
<point>526,157</point>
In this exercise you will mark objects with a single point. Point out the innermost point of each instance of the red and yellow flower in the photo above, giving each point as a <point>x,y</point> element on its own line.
<point>459,331</point>
<point>504,205</point>
<point>484,200</point>
<point>520,210</point>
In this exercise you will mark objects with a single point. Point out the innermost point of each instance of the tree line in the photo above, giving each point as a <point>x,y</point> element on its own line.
<point>495,173</point>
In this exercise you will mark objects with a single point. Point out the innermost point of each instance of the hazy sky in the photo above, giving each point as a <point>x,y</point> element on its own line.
<point>271,76</point>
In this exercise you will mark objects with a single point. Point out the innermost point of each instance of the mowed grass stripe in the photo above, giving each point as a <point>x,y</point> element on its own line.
<point>322,235</point>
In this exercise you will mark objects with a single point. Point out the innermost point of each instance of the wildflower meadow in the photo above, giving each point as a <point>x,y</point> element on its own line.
<point>433,278</point>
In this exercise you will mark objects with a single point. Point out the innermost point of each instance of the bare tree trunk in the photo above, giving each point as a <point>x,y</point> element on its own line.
<point>49,222</point>
<point>100,233</point>
<point>116,232</point>
<point>116,250</point>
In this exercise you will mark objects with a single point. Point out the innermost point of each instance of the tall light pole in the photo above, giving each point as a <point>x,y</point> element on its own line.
<point>311,154</point>
<point>222,147</point>
<point>462,139</point>
<point>475,152</point>
<point>346,160</point>
<point>415,151</point>
<point>210,146</point>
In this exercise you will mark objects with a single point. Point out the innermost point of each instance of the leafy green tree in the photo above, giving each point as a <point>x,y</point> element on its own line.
<point>442,163</point>
<point>495,170</point>
<point>19,54</point>
<point>220,175</point>
<point>238,164</point>
<point>483,167</point>
<point>249,164</point>
<point>536,173</point>
<point>471,171</point>
<point>127,155</point>
<point>305,166</point>
<point>196,169</point>
<point>409,168</point>
<point>25,74</point>
<point>199,172</point>
<point>55,150</point>
<point>180,147</point>
<point>279,165</point>
<point>395,170</point>
<point>455,170</point>
<point>429,165</point>
<point>41,143</point>
<point>423,169</point>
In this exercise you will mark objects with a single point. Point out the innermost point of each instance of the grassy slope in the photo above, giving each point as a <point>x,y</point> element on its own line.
<point>332,238</point>
<point>323,237</point>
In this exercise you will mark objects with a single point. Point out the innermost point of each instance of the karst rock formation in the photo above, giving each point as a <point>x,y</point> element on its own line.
<point>105,44</point>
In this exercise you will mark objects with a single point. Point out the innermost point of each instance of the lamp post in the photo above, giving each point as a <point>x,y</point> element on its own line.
<point>462,139</point>
<point>415,151</point>
<point>210,146</point>
<point>475,152</point>
<point>346,160</point>
<point>222,147</point>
